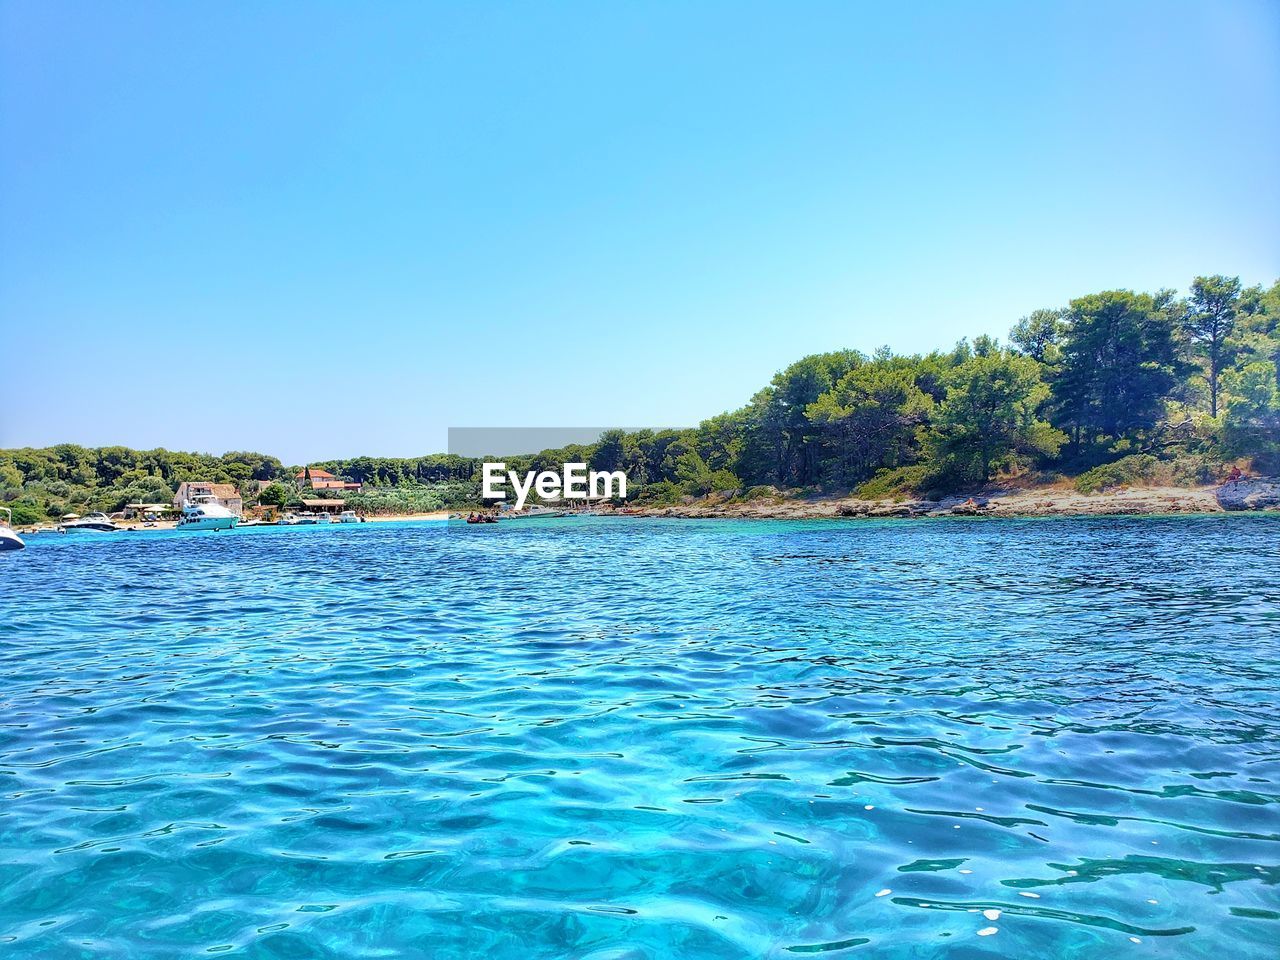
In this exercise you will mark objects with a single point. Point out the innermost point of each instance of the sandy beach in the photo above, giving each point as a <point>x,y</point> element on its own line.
<point>434,515</point>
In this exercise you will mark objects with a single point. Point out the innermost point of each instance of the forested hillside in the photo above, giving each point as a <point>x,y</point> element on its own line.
<point>1114,387</point>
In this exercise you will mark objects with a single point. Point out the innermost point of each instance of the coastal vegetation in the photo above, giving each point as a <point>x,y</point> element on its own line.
<point>1115,388</point>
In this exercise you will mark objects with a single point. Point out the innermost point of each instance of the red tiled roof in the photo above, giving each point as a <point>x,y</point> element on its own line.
<point>316,474</point>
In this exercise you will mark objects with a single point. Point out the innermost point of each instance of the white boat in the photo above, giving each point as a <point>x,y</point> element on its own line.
<point>93,523</point>
<point>204,512</point>
<point>8,539</point>
<point>348,516</point>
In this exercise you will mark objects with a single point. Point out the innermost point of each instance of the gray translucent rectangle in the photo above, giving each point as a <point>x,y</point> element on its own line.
<point>518,441</point>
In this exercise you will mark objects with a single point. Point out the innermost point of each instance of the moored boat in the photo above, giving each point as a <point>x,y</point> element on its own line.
<point>348,516</point>
<point>203,512</point>
<point>91,523</point>
<point>9,540</point>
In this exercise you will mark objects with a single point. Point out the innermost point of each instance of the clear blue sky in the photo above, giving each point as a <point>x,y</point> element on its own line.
<point>322,229</point>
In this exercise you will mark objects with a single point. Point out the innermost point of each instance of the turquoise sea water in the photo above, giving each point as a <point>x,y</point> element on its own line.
<point>611,738</point>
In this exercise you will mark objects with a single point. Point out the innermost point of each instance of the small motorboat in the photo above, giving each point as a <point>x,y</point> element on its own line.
<point>8,539</point>
<point>348,516</point>
<point>97,522</point>
<point>481,518</point>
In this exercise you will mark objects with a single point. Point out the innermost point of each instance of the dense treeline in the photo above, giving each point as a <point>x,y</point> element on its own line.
<point>1189,383</point>
<point>1114,386</point>
<point>47,482</point>
<point>50,481</point>
<point>392,472</point>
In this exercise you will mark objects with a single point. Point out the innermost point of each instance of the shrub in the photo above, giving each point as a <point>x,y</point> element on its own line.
<point>664,491</point>
<point>895,484</point>
<point>1193,471</point>
<point>1267,464</point>
<point>425,498</point>
<point>274,495</point>
<point>25,512</point>
<point>1137,469</point>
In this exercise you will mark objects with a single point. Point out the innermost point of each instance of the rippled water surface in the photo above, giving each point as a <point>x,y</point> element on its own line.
<point>612,738</point>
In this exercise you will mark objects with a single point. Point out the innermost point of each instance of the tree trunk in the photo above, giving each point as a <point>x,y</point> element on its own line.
<point>1213,386</point>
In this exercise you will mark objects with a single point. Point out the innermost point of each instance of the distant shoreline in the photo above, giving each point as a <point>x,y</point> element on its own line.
<point>1250,495</point>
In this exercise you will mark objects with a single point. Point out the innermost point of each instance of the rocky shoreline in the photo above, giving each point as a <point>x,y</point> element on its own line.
<point>1242,495</point>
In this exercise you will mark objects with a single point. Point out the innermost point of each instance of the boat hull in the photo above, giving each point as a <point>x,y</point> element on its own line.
<point>88,528</point>
<point>209,523</point>
<point>10,540</point>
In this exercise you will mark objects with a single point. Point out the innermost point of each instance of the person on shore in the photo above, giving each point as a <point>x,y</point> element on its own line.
<point>1235,474</point>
